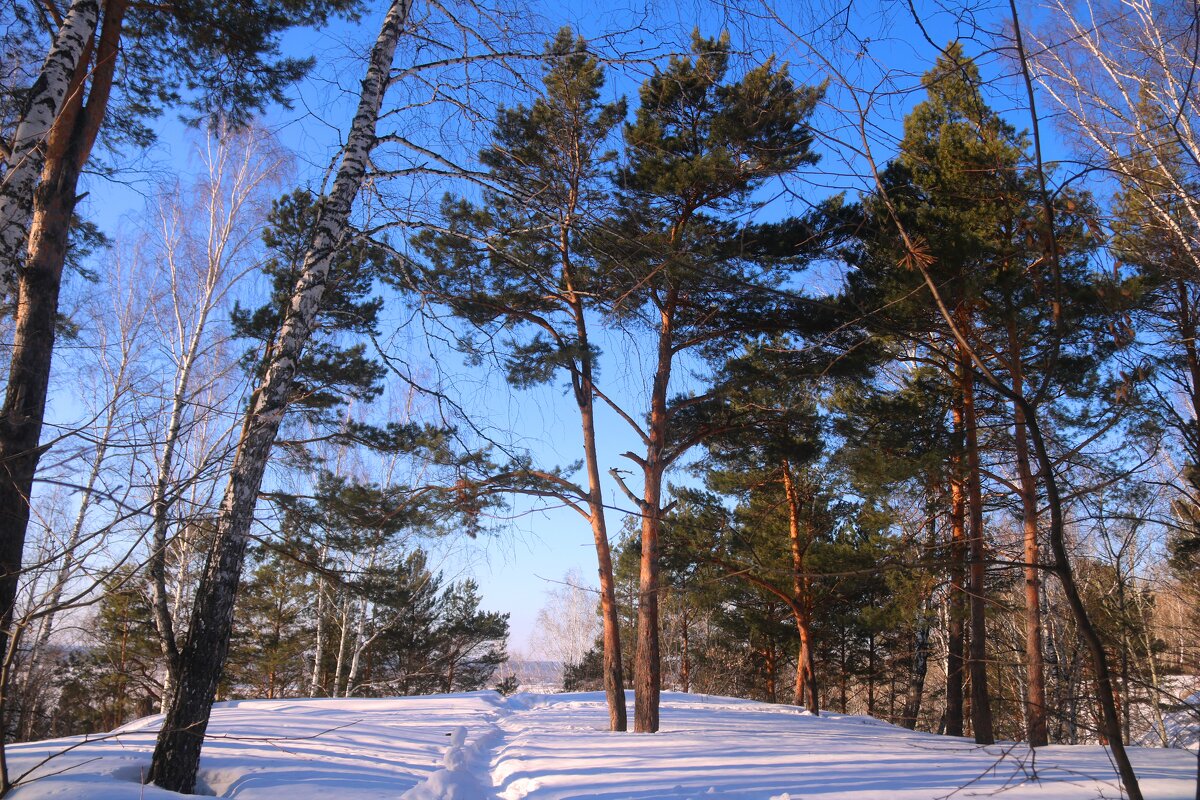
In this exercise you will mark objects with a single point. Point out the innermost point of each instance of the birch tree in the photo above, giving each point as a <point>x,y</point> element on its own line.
<point>205,247</point>
<point>1123,74</point>
<point>25,155</point>
<point>117,339</point>
<point>119,70</point>
<point>177,752</point>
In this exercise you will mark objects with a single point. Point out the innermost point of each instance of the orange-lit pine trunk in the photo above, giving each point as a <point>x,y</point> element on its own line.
<point>806,673</point>
<point>614,680</point>
<point>68,148</point>
<point>647,669</point>
<point>1035,681</point>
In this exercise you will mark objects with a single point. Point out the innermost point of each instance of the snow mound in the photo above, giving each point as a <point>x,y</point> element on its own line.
<point>455,780</point>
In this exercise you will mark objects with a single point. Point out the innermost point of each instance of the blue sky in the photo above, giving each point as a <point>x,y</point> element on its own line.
<point>526,553</point>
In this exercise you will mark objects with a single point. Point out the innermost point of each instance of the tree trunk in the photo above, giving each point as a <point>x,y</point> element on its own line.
<point>685,665</point>
<point>340,665</point>
<point>161,503</point>
<point>806,671</point>
<point>871,675</point>
<point>614,679</point>
<point>956,614</point>
<point>66,148</point>
<point>1035,679</point>
<point>920,667</point>
<point>1187,329</point>
<point>27,154</point>
<point>769,668</point>
<point>981,708</point>
<point>67,567</point>
<point>1087,631</point>
<point>360,644</point>
<point>924,623</point>
<point>647,670</point>
<point>314,685</point>
<point>177,752</point>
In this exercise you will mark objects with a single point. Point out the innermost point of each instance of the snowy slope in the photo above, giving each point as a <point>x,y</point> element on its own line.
<point>554,747</point>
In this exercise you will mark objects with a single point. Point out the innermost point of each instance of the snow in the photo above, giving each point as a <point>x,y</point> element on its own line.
<point>1178,700</point>
<point>1183,725</point>
<point>480,746</point>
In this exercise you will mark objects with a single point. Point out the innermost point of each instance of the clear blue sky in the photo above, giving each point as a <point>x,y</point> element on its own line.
<point>516,565</point>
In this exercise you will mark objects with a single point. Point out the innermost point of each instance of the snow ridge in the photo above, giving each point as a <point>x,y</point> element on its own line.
<point>462,768</point>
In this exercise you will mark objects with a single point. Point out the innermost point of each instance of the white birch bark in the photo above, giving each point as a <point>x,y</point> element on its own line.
<point>357,650</point>
<point>27,152</point>
<point>314,685</point>
<point>233,180</point>
<point>177,754</point>
<point>361,640</point>
<point>340,667</point>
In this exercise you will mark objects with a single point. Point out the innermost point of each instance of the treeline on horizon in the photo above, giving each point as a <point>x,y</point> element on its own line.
<point>925,449</point>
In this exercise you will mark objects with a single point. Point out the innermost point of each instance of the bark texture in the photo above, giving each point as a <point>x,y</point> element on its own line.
<point>177,752</point>
<point>806,668</point>
<point>583,378</point>
<point>66,150</point>
<point>957,606</point>
<point>1036,730</point>
<point>981,708</point>
<point>27,151</point>
<point>647,666</point>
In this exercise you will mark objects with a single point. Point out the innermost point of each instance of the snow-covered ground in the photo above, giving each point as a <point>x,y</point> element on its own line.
<point>553,747</point>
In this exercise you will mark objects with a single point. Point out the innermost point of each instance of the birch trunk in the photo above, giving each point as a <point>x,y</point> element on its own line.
<point>360,644</point>
<point>340,666</point>
<point>314,685</point>
<point>67,148</point>
<point>920,668</point>
<point>27,152</point>
<point>177,752</point>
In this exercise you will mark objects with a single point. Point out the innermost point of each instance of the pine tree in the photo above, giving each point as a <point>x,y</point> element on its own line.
<point>329,372</point>
<point>687,269</point>
<point>472,642</point>
<point>956,183</point>
<point>964,189</point>
<point>270,627</point>
<point>897,444</point>
<point>767,459</point>
<point>519,262</point>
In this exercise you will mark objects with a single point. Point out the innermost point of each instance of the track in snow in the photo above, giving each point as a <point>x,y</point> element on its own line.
<point>480,746</point>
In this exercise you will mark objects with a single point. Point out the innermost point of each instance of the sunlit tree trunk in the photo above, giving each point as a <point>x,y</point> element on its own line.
<point>806,670</point>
